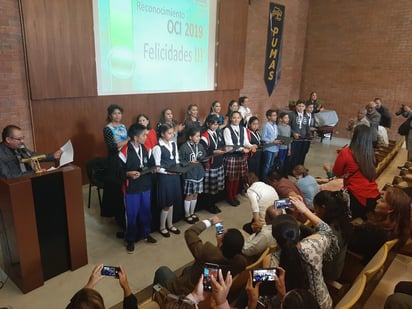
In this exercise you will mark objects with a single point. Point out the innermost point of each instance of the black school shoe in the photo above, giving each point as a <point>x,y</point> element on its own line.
<point>190,220</point>
<point>130,247</point>
<point>174,230</point>
<point>164,233</point>
<point>149,239</point>
<point>214,209</point>
<point>232,202</point>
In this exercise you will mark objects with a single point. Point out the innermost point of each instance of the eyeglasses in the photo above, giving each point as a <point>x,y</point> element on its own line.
<point>18,138</point>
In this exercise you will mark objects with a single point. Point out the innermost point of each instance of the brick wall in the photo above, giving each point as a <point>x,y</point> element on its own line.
<point>354,51</point>
<point>14,106</point>
<point>294,35</point>
<point>358,50</point>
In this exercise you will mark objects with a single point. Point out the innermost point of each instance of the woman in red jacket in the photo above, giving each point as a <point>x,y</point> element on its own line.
<point>356,164</point>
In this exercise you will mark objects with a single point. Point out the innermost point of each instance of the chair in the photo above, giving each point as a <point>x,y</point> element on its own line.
<point>376,263</point>
<point>391,243</point>
<point>322,131</point>
<point>353,294</point>
<point>272,248</point>
<point>96,170</point>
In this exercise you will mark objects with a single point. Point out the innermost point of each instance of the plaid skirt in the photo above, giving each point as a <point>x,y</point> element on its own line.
<point>193,186</point>
<point>214,180</point>
<point>235,167</point>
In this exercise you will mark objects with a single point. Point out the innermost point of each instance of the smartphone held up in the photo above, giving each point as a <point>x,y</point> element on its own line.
<point>283,203</point>
<point>209,270</point>
<point>219,228</point>
<point>112,271</point>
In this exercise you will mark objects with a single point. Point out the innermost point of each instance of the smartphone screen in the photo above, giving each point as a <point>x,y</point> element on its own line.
<point>283,204</point>
<point>219,228</point>
<point>208,271</point>
<point>110,271</point>
<point>267,277</point>
<point>263,274</point>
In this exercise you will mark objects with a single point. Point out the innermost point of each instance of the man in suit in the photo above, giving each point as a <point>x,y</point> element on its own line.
<point>299,123</point>
<point>12,150</point>
<point>226,254</point>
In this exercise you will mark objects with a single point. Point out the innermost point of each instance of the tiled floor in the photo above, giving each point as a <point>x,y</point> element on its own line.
<point>103,247</point>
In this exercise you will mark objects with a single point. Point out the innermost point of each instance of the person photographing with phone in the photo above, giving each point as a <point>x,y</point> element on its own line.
<point>302,259</point>
<point>226,253</point>
<point>87,297</point>
<point>296,298</point>
<point>213,293</point>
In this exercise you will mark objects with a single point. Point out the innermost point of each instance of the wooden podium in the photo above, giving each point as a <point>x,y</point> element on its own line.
<point>42,230</point>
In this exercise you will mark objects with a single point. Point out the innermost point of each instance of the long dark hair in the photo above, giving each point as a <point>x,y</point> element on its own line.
<point>144,116</point>
<point>251,120</point>
<point>362,150</point>
<point>397,223</point>
<point>162,115</point>
<point>299,298</point>
<point>286,231</point>
<point>335,211</point>
<point>229,112</point>
<point>212,106</point>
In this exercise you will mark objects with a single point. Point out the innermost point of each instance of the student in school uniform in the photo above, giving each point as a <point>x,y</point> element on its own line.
<point>300,133</point>
<point>269,135</point>
<point>235,161</point>
<point>254,160</point>
<point>134,159</point>
<point>192,152</point>
<point>284,149</point>
<point>169,191</point>
<point>214,180</point>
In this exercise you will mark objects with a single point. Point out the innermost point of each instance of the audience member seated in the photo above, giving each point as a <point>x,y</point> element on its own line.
<point>374,119</point>
<point>261,196</point>
<point>285,189</point>
<point>262,236</point>
<point>303,259</point>
<point>401,297</point>
<point>12,150</point>
<point>306,183</point>
<point>283,186</point>
<point>383,139</point>
<point>390,220</point>
<point>360,119</point>
<point>217,297</point>
<point>87,297</point>
<point>332,208</point>
<point>296,298</point>
<point>226,254</point>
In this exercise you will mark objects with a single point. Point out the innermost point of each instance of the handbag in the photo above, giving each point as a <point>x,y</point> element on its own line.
<point>404,127</point>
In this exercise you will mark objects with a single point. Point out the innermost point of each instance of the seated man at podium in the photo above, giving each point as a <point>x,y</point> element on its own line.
<point>12,151</point>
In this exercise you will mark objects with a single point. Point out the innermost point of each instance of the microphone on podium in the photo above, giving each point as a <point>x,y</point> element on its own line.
<point>24,151</point>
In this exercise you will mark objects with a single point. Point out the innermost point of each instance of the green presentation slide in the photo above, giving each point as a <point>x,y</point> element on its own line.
<point>151,46</point>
